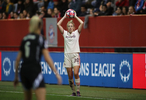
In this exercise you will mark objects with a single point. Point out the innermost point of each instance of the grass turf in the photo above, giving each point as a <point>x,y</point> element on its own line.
<point>63,92</point>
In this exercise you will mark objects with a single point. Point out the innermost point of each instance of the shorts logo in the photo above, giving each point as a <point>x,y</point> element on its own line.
<point>123,66</point>
<point>6,66</point>
<point>51,33</point>
<point>64,64</point>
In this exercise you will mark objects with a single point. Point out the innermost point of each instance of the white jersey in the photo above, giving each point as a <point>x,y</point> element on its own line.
<point>71,41</point>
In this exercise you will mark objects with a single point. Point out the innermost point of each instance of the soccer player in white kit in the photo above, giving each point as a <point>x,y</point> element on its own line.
<point>71,52</point>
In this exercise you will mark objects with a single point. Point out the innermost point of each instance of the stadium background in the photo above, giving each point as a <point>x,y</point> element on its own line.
<point>124,37</point>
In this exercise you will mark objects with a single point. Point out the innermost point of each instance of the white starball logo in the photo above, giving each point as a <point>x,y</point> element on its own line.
<point>124,77</point>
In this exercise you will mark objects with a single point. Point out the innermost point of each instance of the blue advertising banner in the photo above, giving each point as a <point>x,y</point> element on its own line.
<point>97,69</point>
<point>108,70</point>
<point>8,65</point>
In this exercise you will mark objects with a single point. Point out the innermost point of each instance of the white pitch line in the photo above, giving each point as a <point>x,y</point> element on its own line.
<point>59,95</point>
<point>75,96</point>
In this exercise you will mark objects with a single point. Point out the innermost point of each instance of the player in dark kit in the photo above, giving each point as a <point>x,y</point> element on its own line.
<point>32,47</point>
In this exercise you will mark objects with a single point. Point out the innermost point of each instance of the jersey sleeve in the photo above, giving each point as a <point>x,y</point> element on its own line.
<point>78,33</point>
<point>43,42</point>
<point>45,45</point>
<point>64,33</point>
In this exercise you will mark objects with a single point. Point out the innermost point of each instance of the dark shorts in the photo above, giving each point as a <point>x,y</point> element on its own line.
<point>31,78</point>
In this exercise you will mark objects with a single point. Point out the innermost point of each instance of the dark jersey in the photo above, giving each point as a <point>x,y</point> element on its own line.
<point>30,73</point>
<point>31,48</point>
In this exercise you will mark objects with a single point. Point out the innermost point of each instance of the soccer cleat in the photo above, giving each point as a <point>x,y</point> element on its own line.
<point>73,94</point>
<point>78,93</point>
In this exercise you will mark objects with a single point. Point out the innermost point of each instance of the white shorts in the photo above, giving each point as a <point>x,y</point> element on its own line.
<point>71,60</point>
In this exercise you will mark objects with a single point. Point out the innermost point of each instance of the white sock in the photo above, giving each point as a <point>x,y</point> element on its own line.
<point>77,84</point>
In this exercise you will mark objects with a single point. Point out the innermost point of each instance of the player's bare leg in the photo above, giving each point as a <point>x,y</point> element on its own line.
<point>77,79</point>
<point>27,94</point>
<point>70,79</point>
<point>40,93</point>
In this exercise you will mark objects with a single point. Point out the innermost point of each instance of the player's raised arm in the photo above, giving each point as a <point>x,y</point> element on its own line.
<point>80,21</point>
<point>60,22</point>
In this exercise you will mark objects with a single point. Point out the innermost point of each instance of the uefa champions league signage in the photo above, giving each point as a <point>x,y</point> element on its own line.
<point>99,70</point>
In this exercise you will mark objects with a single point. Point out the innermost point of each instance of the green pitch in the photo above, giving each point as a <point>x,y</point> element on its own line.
<point>63,92</point>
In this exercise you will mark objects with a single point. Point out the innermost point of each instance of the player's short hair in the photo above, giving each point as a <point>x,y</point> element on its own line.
<point>70,22</point>
<point>34,24</point>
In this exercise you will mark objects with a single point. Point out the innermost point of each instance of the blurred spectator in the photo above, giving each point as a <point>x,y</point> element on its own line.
<point>138,6</point>
<point>69,2</point>
<point>16,16</point>
<point>46,3</point>
<point>59,7</point>
<point>24,13</point>
<point>40,4</point>
<point>118,11</point>
<point>43,9</point>
<point>1,16</point>
<point>19,7</point>
<point>87,3</point>
<point>96,13</point>
<point>12,15</point>
<point>56,4</point>
<point>84,2</point>
<point>97,5</point>
<point>91,10</point>
<point>104,11</point>
<point>37,13</point>
<point>131,10</point>
<point>122,3</point>
<point>109,9</point>
<point>49,13</point>
<point>30,7</point>
<point>105,2</point>
<point>83,11</point>
<point>64,8</point>
<point>132,2</point>
<point>50,5</point>
<point>42,14</point>
<point>57,14</point>
<point>9,7</point>
<point>35,8</point>
<point>93,3</point>
<point>5,15</point>
<point>144,8</point>
<point>4,4</point>
<point>21,16</point>
<point>35,1</point>
<point>1,6</point>
<point>28,16</point>
<point>76,5</point>
<point>124,10</point>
